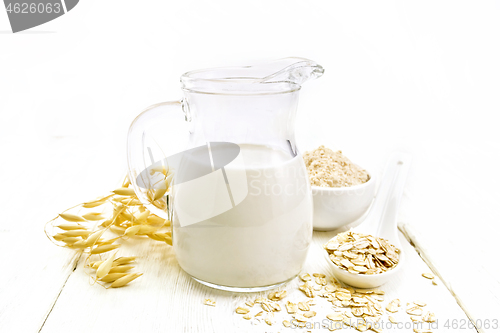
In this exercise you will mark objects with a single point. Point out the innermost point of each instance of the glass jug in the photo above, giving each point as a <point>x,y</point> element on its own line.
<point>223,166</point>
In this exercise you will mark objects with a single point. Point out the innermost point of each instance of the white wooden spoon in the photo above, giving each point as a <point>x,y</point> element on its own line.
<point>381,221</point>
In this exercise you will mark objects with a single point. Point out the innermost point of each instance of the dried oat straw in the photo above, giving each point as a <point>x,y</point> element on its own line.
<point>123,281</point>
<point>362,254</point>
<point>124,214</point>
<point>327,168</point>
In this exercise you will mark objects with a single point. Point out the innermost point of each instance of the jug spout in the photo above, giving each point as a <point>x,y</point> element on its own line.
<point>293,69</point>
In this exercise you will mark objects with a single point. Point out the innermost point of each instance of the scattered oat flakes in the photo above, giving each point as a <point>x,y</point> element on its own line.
<point>429,317</point>
<point>266,306</point>
<point>286,323</point>
<point>320,280</point>
<point>429,276</point>
<point>336,326</point>
<point>307,289</point>
<point>335,316</point>
<point>277,296</point>
<point>370,291</point>
<point>309,314</point>
<point>304,306</point>
<point>259,299</point>
<point>305,277</point>
<point>242,310</point>
<point>415,310</point>
<point>300,317</point>
<point>361,327</point>
<point>393,305</point>
<point>358,312</point>
<point>208,301</point>
<point>348,322</point>
<point>269,319</point>
<point>276,307</point>
<point>329,288</point>
<point>247,316</point>
<point>291,307</point>
<point>392,320</point>
<point>317,288</point>
<point>364,307</point>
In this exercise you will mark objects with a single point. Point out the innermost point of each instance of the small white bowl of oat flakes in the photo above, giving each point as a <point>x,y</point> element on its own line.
<point>342,191</point>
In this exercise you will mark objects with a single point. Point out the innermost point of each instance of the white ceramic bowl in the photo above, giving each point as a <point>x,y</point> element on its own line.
<point>335,207</point>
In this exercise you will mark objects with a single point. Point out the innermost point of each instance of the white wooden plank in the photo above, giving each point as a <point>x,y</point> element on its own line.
<point>46,177</point>
<point>452,210</point>
<point>166,299</point>
<point>481,307</point>
<point>34,272</point>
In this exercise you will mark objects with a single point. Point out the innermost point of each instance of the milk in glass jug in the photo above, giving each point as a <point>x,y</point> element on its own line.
<point>222,164</point>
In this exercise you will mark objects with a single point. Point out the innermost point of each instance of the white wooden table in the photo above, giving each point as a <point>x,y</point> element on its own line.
<point>44,288</point>
<point>49,292</point>
<point>418,76</point>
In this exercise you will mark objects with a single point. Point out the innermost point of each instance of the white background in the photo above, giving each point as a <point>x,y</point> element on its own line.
<point>422,76</point>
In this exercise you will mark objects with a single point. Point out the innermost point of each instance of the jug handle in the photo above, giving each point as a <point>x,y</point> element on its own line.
<point>142,146</point>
